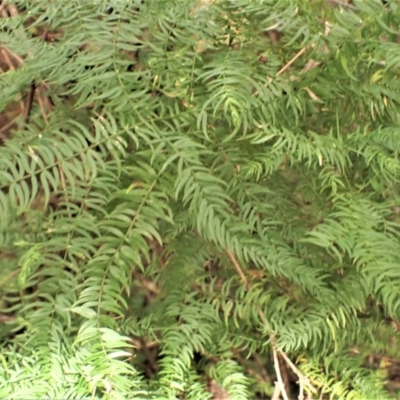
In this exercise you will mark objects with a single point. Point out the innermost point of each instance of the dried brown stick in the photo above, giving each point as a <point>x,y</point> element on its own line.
<point>29,102</point>
<point>277,392</point>
<point>7,59</point>
<point>16,57</point>
<point>288,64</point>
<point>303,380</point>
<point>9,276</point>
<point>7,318</point>
<point>278,374</point>
<point>6,53</point>
<point>42,107</point>
<point>237,266</point>
<point>6,127</point>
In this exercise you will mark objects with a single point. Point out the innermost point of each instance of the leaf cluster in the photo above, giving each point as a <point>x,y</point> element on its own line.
<point>195,186</point>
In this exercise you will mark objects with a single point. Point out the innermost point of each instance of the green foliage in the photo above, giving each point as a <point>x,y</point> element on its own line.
<point>196,184</point>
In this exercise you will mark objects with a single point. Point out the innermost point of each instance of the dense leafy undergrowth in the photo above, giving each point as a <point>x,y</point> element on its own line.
<point>199,199</point>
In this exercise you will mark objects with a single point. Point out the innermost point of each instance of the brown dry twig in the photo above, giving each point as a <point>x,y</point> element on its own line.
<point>303,380</point>
<point>7,53</point>
<point>278,374</point>
<point>141,345</point>
<point>7,318</point>
<point>4,128</point>
<point>148,285</point>
<point>14,61</point>
<point>290,62</point>
<point>9,276</point>
<point>29,102</point>
<point>44,102</point>
<point>237,266</point>
<point>311,64</point>
<point>277,392</point>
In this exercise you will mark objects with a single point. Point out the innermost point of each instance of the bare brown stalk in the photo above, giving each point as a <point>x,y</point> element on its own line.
<point>303,380</point>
